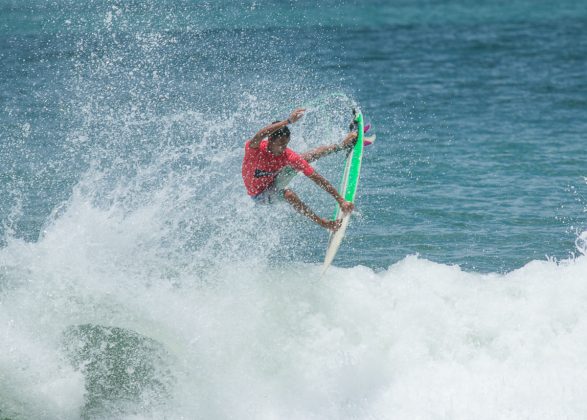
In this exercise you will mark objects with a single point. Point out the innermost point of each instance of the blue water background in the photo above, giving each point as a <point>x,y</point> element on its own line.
<point>480,111</point>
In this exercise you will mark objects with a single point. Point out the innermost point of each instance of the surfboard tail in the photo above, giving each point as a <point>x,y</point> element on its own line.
<point>334,244</point>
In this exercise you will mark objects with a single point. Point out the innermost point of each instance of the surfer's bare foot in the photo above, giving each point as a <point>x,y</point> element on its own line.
<point>332,225</point>
<point>350,140</point>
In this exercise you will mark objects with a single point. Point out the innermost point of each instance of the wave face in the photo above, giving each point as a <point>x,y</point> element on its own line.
<point>138,281</point>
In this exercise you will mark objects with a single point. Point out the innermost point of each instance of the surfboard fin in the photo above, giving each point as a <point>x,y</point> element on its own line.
<point>368,141</point>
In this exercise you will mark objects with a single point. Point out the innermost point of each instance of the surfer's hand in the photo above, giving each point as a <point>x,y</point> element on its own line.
<point>346,207</point>
<point>296,115</point>
<point>350,140</point>
<point>332,225</point>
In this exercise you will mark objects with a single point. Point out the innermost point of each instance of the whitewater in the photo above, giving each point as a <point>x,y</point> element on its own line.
<point>98,323</point>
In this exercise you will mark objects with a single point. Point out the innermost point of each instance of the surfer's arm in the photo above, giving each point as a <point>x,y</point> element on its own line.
<point>346,206</point>
<point>272,128</point>
<point>265,132</point>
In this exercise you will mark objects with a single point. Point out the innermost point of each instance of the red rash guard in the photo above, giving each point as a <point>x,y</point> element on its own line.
<point>260,166</point>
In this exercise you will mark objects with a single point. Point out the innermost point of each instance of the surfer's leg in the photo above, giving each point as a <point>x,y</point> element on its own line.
<point>321,151</point>
<point>318,152</point>
<point>302,208</point>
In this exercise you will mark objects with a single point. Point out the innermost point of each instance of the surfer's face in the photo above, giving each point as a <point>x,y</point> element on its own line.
<point>278,145</point>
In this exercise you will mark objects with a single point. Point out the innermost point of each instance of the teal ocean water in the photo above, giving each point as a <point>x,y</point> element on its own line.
<point>137,279</point>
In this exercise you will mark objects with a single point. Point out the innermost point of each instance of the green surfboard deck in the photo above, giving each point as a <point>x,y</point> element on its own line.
<point>350,177</point>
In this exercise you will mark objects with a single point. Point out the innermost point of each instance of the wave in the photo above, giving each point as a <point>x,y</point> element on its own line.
<point>248,338</point>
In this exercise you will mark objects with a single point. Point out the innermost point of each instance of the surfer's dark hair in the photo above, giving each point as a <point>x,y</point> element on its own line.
<point>282,132</point>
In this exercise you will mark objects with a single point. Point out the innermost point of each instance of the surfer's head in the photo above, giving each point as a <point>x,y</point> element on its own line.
<point>278,140</point>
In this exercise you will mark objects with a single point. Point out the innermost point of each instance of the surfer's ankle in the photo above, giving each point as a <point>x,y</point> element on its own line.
<point>349,141</point>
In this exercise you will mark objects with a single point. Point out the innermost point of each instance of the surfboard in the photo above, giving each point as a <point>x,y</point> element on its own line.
<point>348,189</point>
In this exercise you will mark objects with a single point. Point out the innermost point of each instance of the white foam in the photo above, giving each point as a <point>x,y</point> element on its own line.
<point>419,340</point>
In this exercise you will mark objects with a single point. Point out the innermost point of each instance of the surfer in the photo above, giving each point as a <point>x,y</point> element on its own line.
<point>267,169</point>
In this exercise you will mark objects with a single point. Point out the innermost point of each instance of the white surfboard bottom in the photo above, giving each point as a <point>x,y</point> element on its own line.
<point>334,244</point>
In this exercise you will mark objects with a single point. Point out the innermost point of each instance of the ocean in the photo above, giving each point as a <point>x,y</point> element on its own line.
<point>139,281</point>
